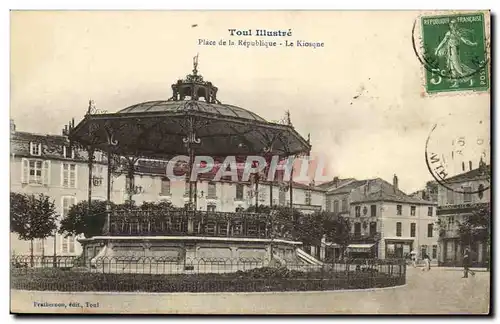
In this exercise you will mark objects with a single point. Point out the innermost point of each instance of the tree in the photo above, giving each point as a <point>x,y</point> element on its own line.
<point>32,217</point>
<point>476,227</point>
<point>310,229</point>
<point>80,221</point>
<point>338,231</point>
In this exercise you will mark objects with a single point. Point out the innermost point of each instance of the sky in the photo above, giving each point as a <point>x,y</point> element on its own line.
<point>361,96</point>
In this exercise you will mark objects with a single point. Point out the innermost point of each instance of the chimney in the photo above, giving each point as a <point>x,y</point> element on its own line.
<point>470,165</point>
<point>395,183</point>
<point>12,126</point>
<point>336,181</point>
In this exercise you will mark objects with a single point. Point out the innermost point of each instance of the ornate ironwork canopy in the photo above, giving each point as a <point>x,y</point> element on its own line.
<point>193,118</point>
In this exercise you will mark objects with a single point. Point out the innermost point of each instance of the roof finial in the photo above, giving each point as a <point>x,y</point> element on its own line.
<point>288,118</point>
<point>195,64</point>
<point>308,138</point>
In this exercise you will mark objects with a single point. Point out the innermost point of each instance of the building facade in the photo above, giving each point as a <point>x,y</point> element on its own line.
<point>463,195</point>
<point>45,164</point>
<point>385,222</point>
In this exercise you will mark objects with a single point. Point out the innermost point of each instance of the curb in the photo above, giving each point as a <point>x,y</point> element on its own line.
<point>202,293</point>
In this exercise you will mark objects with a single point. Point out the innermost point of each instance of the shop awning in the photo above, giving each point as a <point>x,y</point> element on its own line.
<point>360,247</point>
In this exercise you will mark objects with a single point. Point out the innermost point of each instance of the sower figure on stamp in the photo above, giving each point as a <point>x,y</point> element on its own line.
<point>449,48</point>
<point>466,262</point>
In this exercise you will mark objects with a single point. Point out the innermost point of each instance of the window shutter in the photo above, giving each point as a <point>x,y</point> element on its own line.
<point>40,149</point>
<point>76,176</point>
<point>46,173</point>
<point>25,169</point>
<point>31,147</point>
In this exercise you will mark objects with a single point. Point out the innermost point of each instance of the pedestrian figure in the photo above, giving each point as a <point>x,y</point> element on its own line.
<point>413,258</point>
<point>427,262</point>
<point>466,262</point>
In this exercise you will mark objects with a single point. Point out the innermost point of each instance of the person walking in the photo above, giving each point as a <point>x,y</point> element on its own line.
<point>427,262</point>
<point>413,255</point>
<point>466,263</point>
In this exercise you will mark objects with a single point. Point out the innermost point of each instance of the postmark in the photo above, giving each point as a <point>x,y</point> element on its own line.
<point>451,151</point>
<point>453,49</point>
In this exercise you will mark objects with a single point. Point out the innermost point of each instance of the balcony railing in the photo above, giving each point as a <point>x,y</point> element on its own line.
<point>192,223</point>
<point>360,238</point>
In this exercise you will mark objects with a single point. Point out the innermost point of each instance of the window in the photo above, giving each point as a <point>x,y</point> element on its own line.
<point>211,208</point>
<point>451,221</point>
<point>450,196</point>
<point>165,187</point>
<point>413,210</point>
<point>38,246</point>
<point>68,175</point>
<point>212,190</point>
<point>344,205</point>
<point>281,197</point>
<point>68,152</point>
<point>68,244</point>
<point>373,228</point>
<point>413,229</point>
<point>97,175</point>
<point>328,204</point>
<point>398,229</point>
<point>423,250</point>
<point>399,210</point>
<point>35,149</point>
<point>335,206</point>
<point>467,194</point>
<point>35,172</point>
<point>357,229</point>
<point>239,191</point>
<point>434,251</point>
<point>357,211</point>
<point>429,211</point>
<point>308,197</point>
<point>430,229</point>
<point>67,202</point>
<point>97,156</point>
<point>373,210</point>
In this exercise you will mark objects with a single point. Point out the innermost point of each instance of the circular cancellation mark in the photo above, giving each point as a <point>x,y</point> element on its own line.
<point>455,152</point>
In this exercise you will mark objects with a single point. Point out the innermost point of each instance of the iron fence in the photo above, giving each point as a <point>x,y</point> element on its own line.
<point>206,274</point>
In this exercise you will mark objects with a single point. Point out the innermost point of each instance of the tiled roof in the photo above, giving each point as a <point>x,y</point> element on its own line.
<point>52,145</point>
<point>381,190</point>
<point>471,175</point>
<point>348,187</point>
<point>335,182</point>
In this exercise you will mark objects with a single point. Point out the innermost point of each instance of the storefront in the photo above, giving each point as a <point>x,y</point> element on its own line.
<point>398,248</point>
<point>362,251</point>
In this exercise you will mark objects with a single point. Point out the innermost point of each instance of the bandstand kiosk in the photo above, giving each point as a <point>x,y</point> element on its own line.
<point>193,122</point>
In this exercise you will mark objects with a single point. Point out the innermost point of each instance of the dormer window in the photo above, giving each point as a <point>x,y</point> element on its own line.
<point>98,156</point>
<point>68,153</point>
<point>35,149</point>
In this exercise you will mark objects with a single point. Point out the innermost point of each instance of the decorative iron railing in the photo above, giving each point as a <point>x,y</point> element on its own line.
<point>167,274</point>
<point>182,222</point>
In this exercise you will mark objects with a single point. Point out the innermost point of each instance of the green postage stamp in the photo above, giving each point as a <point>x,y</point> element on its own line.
<point>455,52</point>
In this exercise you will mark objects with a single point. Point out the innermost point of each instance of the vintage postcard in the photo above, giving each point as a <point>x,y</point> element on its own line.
<point>250,162</point>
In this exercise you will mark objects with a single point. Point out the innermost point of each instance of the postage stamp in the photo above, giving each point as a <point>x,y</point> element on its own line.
<point>454,52</point>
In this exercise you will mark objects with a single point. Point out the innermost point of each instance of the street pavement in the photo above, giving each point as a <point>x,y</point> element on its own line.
<point>438,291</point>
